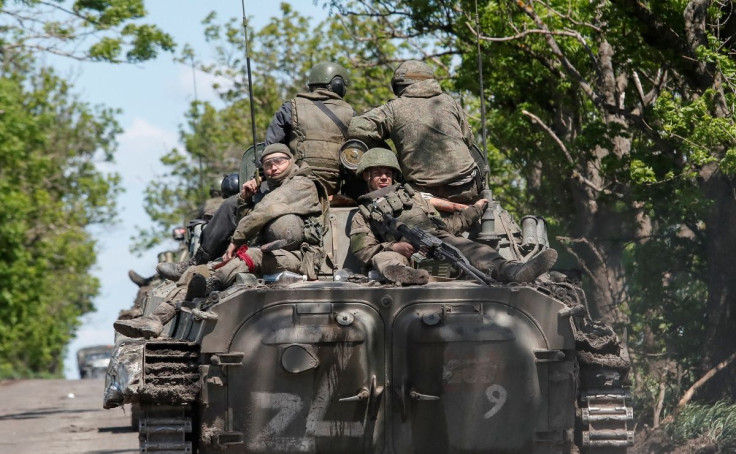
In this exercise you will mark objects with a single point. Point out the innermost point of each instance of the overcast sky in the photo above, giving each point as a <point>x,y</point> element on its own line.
<point>153,97</point>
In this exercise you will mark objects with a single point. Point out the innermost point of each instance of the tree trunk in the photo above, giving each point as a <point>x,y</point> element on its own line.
<point>720,340</point>
<point>599,250</point>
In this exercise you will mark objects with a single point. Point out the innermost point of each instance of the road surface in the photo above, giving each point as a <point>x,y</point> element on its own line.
<point>61,416</point>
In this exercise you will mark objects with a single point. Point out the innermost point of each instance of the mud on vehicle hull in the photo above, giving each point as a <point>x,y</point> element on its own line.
<point>329,367</point>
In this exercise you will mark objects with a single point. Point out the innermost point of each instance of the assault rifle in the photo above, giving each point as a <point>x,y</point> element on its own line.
<point>433,247</point>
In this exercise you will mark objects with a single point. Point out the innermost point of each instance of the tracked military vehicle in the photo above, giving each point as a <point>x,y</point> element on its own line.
<point>352,364</point>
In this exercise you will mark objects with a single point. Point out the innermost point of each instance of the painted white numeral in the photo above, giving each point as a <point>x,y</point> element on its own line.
<point>496,395</point>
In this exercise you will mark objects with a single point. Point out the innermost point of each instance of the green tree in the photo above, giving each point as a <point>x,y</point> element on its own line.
<point>51,185</point>
<point>108,30</point>
<point>622,111</point>
<point>50,191</point>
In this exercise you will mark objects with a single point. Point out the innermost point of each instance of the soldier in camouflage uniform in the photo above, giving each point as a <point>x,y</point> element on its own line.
<point>373,244</point>
<point>282,232</point>
<point>314,124</point>
<point>430,131</point>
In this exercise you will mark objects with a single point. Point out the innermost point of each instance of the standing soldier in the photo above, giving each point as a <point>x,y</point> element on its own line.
<point>373,244</point>
<point>430,131</point>
<point>315,124</point>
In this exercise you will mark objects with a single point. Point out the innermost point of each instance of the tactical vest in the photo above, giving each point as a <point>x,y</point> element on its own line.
<point>315,138</point>
<point>401,202</point>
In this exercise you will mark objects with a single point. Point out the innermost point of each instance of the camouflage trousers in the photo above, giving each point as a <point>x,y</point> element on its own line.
<point>467,193</point>
<point>263,263</point>
<point>481,256</point>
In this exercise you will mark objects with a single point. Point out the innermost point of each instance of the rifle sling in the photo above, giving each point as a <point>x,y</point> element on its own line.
<point>333,117</point>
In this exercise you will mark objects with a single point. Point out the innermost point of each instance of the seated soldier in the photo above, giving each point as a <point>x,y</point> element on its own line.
<point>213,240</point>
<point>282,232</point>
<point>372,244</point>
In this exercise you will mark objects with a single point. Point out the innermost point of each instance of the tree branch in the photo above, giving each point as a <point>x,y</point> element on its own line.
<point>703,380</point>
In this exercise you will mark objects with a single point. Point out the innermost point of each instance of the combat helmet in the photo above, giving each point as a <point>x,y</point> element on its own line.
<point>378,157</point>
<point>230,185</point>
<point>409,72</point>
<point>216,187</point>
<point>331,75</point>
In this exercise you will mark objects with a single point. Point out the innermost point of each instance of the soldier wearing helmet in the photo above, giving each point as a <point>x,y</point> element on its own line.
<point>282,232</point>
<point>430,131</point>
<point>373,244</point>
<point>314,124</point>
<point>220,212</point>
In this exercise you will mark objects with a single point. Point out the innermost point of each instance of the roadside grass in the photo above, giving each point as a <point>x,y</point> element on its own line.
<point>716,423</point>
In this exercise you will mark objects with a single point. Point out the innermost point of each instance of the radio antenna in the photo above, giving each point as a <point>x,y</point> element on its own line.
<point>250,85</point>
<point>482,96</point>
<point>196,104</point>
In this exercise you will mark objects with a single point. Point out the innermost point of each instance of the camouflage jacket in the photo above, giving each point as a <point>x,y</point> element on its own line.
<point>296,195</point>
<point>429,129</point>
<point>368,235</point>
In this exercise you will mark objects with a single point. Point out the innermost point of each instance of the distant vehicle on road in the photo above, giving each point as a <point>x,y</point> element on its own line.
<point>93,361</point>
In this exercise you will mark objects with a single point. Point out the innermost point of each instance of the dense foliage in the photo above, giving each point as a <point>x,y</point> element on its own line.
<point>51,183</point>
<point>50,191</point>
<point>617,117</point>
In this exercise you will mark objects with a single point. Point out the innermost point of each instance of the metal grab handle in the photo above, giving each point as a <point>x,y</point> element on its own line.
<point>373,395</point>
<point>362,395</point>
<point>419,396</point>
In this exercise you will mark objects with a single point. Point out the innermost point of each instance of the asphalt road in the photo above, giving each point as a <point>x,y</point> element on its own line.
<point>61,416</point>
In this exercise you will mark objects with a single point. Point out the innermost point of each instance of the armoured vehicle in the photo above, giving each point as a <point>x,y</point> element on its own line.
<point>92,361</point>
<point>349,363</point>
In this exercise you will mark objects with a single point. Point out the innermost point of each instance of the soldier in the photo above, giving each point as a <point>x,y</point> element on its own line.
<point>220,212</point>
<point>286,224</point>
<point>315,124</point>
<point>208,208</point>
<point>431,134</point>
<point>373,244</point>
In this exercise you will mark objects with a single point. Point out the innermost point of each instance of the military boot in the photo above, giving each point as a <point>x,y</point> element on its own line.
<point>405,275</point>
<point>197,288</point>
<point>147,326</point>
<point>173,271</point>
<point>529,271</point>
<point>139,280</point>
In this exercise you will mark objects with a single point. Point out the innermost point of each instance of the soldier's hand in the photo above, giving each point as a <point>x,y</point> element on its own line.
<point>481,205</point>
<point>249,188</point>
<point>403,248</point>
<point>229,253</point>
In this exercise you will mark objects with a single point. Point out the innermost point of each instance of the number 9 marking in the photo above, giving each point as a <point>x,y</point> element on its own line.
<point>496,395</point>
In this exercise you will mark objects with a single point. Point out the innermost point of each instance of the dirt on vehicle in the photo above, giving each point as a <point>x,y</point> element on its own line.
<point>352,363</point>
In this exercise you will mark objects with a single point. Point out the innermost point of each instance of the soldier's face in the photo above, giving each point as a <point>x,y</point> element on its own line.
<point>379,177</point>
<point>275,164</point>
